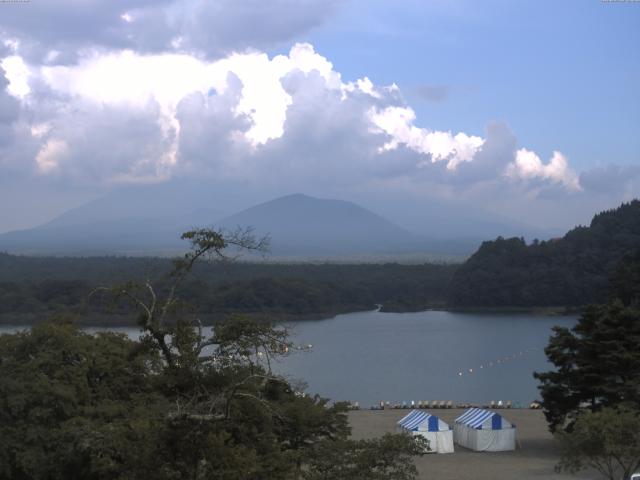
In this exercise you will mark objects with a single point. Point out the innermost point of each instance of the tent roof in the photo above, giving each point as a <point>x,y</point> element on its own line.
<point>475,418</point>
<point>415,418</point>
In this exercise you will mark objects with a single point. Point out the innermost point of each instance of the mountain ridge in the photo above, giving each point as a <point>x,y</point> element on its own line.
<point>569,271</point>
<point>299,225</point>
<point>148,220</point>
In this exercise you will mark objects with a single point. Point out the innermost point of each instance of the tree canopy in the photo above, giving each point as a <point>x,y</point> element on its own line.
<point>597,363</point>
<point>32,289</point>
<point>607,441</point>
<point>176,403</point>
<point>592,399</point>
<point>571,271</point>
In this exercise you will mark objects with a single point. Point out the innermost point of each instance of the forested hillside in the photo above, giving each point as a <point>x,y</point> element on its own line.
<point>32,288</point>
<point>566,272</point>
<point>570,271</point>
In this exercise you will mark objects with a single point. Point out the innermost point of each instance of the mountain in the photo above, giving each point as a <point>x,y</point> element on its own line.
<point>568,271</point>
<point>303,225</point>
<point>130,220</point>
<point>148,220</point>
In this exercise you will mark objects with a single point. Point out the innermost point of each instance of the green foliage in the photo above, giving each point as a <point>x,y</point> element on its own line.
<point>388,457</point>
<point>80,406</point>
<point>625,281</point>
<point>607,441</point>
<point>598,363</point>
<point>41,287</point>
<point>73,404</point>
<point>288,296</point>
<point>307,420</point>
<point>176,404</point>
<point>570,271</point>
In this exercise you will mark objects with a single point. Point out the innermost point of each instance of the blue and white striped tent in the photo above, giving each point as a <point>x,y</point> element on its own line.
<point>432,428</point>
<point>484,430</point>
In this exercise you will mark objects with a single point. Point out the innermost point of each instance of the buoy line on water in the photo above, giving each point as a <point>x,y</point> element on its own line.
<point>495,363</point>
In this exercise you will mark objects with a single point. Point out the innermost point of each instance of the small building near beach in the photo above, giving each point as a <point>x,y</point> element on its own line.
<point>484,431</point>
<point>437,432</point>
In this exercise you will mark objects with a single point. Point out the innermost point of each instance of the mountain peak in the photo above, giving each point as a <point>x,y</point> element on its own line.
<point>299,223</point>
<point>296,196</point>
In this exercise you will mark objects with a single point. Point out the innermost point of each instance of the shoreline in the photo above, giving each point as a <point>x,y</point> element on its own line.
<point>122,321</point>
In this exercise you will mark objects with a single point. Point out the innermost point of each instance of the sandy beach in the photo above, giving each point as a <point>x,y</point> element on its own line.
<point>535,458</point>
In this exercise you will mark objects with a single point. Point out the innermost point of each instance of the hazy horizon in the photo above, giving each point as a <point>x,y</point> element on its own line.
<point>431,114</point>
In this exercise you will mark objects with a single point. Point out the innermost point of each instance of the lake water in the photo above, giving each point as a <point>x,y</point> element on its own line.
<point>373,356</point>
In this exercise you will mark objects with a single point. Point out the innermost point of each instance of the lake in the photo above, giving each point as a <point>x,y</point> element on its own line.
<point>373,356</point>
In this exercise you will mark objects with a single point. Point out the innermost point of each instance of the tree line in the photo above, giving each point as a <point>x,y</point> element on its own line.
<point>592,397</point>
<point>177,403</point>
<point>568,272</point>
<point>571,271</point>
<point>33,288</point>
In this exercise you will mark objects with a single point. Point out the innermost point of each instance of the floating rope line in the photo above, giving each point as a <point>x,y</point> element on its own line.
<point>499,361</point>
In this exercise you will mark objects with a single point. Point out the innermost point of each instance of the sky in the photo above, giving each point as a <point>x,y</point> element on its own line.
<point>527,110</point>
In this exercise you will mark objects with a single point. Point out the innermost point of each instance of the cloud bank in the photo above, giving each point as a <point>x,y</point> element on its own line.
<point>95,94</point>
<point>123,116</point>
<point>58,31</point>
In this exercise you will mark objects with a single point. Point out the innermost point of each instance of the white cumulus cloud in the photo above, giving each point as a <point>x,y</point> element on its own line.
<point>17,74</point>
<point>528,166</point>
<point>439,146</point>
<point>123,116</point>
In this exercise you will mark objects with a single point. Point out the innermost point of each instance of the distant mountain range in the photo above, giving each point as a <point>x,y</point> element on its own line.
<point>506,273</point>
<point>301,225</point>
<point>130,221</point>
<point>149,221</point>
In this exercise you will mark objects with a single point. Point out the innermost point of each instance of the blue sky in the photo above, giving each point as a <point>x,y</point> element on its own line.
<point>525,109</point>
<point>563,74</point>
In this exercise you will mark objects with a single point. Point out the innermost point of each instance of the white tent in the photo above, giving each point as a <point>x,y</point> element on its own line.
<point>430,427</point>
<point>484,431</point>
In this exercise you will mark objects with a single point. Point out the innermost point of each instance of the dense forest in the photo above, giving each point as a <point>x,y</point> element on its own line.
<point>35,287</point>
<point>570,271</point>
<point>175,403</point>
<point>567,272</point>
